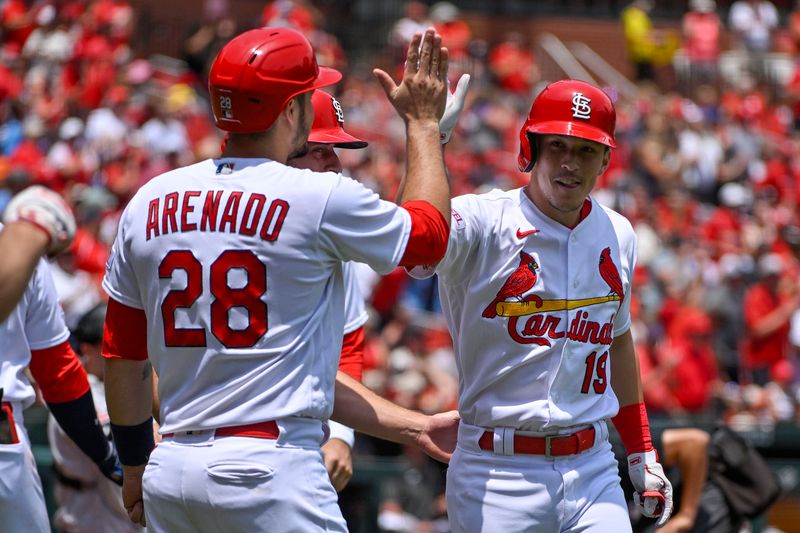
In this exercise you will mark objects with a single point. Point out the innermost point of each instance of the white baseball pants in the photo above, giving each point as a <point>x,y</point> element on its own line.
<point>489,492</point>
<point>198,483</point>
<point>22,506</point>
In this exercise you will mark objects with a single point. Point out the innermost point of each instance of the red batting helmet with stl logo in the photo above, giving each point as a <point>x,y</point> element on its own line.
<point>328,127</point>
<point>258,72</point>
<point>567,107</point>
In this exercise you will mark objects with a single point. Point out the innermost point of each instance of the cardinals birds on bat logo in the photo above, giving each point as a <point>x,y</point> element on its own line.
<point>518,283</point>
<point>610,274</point>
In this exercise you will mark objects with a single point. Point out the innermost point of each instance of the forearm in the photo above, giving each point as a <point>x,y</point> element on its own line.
<point>625,378</point>
<point>425,174</point>
<point>690,453</point>
<point>129,391</point>
<point>361,409</point>
<point>21,246</point>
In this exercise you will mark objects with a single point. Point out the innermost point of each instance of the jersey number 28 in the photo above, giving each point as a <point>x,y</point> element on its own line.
<point>225,298</point>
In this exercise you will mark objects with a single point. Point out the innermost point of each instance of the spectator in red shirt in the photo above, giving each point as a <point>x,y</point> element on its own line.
<point>513,65</point>
<point>768,307</point>
<point>701,33</point>
<point>686,366</point>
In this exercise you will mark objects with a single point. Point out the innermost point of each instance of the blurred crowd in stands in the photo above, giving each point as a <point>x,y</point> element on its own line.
<point>709,175</point>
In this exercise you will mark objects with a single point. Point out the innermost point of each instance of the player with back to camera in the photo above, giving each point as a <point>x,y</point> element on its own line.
<point>327,134</point>
<point>536,289</point>
<point>244,330</point>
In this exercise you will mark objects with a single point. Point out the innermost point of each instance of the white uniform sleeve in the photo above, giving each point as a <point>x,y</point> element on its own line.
<point>44,318</point>
<point>465,237</point>
<point>622,322</point>
<point>358,226</point>
<point>341,432</point>
<point>119,281</point>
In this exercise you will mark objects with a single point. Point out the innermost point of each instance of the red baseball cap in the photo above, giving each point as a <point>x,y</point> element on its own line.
<point>328,126</point>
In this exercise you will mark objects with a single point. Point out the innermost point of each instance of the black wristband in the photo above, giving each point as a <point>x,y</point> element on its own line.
<point>134,443</point>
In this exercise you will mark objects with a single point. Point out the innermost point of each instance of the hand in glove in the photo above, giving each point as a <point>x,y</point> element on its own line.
<point>453,108</point>
<point>46,210</point>
<point>653,489</point>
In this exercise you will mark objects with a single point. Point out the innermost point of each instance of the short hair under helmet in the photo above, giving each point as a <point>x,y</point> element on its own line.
<point>567,107</point>
<point>328,127</point>
<point>258,72</point>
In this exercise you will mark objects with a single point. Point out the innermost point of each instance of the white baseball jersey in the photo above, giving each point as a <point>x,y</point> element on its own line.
<point>523,362</point>
<point>37,323</point>
<point>355,312</point>
<point>237,266</point>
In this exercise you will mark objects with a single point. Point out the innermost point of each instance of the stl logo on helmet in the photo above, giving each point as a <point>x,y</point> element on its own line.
<point>580,106</point>
<point>338,108</point>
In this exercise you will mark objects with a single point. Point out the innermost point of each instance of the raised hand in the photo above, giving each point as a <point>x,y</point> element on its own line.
<point>422,93</point>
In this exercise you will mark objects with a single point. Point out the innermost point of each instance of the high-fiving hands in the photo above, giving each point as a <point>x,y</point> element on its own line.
<point>422,93</point>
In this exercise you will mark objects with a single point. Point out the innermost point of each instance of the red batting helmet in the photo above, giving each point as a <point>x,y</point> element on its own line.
<point>258,72</point>
<point>328,127</point>
<point>567,107</point>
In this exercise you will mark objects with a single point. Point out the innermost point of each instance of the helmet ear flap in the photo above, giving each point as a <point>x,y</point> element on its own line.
<point>532,151</point>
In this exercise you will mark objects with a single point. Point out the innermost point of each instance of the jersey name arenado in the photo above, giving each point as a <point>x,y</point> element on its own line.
<point>532,307</point>
<point>237,264</point>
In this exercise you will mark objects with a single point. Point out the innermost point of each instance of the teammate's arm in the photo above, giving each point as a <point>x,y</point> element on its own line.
<point>129,395</point>
<point>420,100</point>
<point>38,222</point>
<point>21,246</point>
<point>358,407</point>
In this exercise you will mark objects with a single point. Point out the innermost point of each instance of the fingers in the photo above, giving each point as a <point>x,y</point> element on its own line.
<point>412,57</point>
<point>136,513</point>
<point>386,81</point>
<point>436,56</point>
<point>426,53</point>
<point>444,64</point>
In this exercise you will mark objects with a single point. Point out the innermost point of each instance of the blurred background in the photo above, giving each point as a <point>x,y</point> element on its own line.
<point>99,96</point>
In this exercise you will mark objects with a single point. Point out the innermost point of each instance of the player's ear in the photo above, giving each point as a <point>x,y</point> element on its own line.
<point>606,160</point>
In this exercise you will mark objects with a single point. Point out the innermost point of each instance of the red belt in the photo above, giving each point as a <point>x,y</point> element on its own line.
<point>259,430</point>
<point>549,445</point>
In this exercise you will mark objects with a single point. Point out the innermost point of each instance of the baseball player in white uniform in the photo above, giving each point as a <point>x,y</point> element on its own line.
<point>536,289</point>
<point>34,336</point>
<point>227,276</point>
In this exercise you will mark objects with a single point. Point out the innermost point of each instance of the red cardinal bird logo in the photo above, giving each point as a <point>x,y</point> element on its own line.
<point>518,283</point>
<point>610,274</point>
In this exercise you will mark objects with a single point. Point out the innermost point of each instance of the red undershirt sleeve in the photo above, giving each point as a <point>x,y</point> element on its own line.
<point>59,373</point>
<point>430,231</point>
<point>351,361</point>
<point>124,332</point>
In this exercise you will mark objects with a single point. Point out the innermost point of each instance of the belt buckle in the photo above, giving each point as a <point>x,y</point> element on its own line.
<point>547,439</point>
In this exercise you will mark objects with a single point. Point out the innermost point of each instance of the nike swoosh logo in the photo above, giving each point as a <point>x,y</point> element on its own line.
<point>522,234</point>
